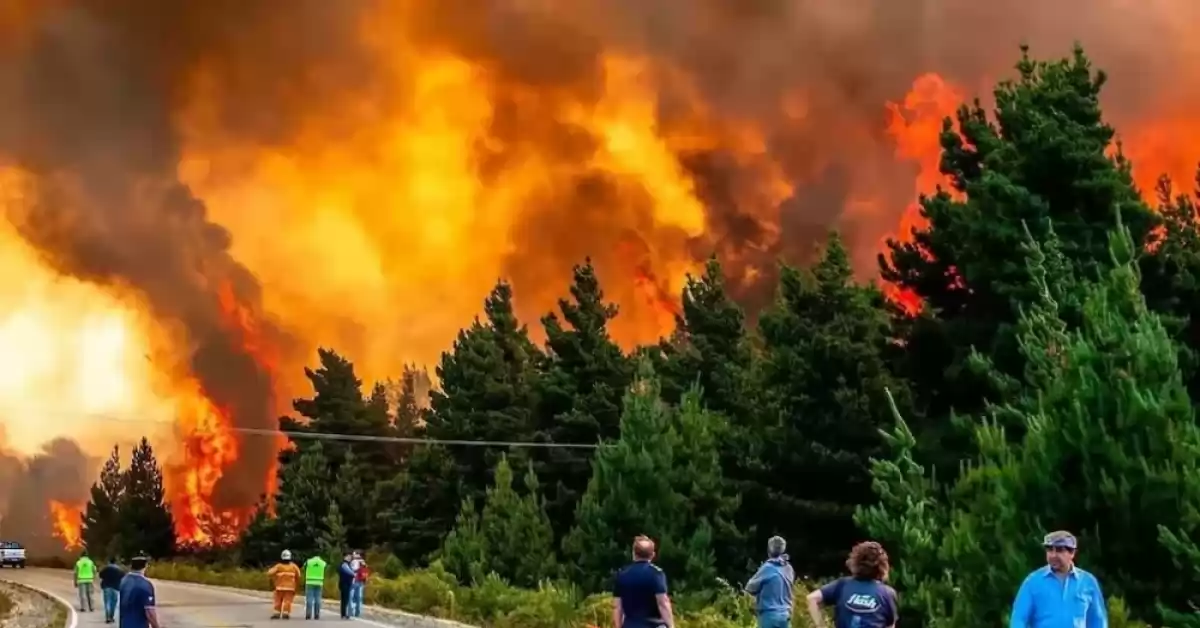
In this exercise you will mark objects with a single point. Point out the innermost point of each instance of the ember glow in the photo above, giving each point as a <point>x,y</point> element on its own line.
<point>358,174</point>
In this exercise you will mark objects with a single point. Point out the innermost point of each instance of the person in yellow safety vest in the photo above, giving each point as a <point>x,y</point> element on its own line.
<point>284,576</point>
<point>85,578</point>
<point>314,582</point>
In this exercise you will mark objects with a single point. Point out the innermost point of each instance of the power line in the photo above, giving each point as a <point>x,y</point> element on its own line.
<point>413,441</point>
<point>368,438</point>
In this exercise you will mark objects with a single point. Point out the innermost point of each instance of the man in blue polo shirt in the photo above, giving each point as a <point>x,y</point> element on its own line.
<point>137,597</point>
<point>640,597</point>
<point>1059,595</point>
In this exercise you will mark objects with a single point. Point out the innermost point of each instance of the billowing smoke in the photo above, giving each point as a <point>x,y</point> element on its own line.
<point>61,473</point>
<point>105,103</point>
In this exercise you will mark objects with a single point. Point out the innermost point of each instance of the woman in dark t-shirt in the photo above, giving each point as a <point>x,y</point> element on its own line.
<point>860,600</point>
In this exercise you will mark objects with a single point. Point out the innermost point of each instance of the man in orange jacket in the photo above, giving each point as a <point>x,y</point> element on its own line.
<point>285,577</point>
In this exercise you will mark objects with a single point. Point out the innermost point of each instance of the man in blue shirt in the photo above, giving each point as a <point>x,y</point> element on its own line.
<point>1059,595</point>
<point>772,587</point>
<point>640,597</point>
<point>137,597</point>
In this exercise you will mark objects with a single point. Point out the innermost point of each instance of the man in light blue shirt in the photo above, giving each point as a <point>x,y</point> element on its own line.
<point>1059,595</point>
<point>772,586</point>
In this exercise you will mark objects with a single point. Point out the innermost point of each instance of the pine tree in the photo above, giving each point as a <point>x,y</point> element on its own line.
<point>101,519</point>
<point>260,543</point>
<point>517,537</point>
<point>464,553</point>
<point>648,482</point>
<point>145,520</point>
<point>333,535</point>
<point>711,347</point>
<point>826,345</point>
<point>417,503</point>
<point>350,493</point>
<point>1044,161</point>
<point>585,375</point>
<point>488,392</point>
<point>338,407</point>
<point>302,500</point>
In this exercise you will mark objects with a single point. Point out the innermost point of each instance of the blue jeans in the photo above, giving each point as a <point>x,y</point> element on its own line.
<point>356,598</point>
<point>774,620</point>
<point>110,602</point>
<point>312,600</point>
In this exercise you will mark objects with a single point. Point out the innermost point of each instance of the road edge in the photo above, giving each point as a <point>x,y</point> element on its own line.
<point>72,615</point>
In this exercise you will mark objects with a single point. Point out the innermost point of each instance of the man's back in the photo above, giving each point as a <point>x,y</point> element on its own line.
<point>85,570</point>
<point>638,587</point>
<point>110,576</point>
<point>137,594</point>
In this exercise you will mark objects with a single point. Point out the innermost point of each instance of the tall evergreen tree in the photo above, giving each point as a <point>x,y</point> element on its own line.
<point>653,481</point>
<point>102,518</point>
<point>711,348</point>
<point>516,530</point>
<point>416,505</point>
<point>1044,160</point>
<point>488,392</point>
<point>338,407</point>
<point>333,535</point>
<point>146,521</point>
<point>302,500</point>
<point>585,375</point>
<point>826,345</point>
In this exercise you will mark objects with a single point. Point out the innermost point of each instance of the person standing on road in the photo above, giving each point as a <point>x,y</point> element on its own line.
<point>361,575</point>
<point>110,585</point>
<point>640,598</point>
<point>284,575</point>
<point>346,582</point>
<point>861,600</point>
<point>1059,594</point>
<point>85,578</point>
<point>314,584</point>
<point>772,587</point>
<point>137,608</point>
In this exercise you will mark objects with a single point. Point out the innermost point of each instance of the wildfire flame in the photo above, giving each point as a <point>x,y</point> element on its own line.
<point>67,523</point>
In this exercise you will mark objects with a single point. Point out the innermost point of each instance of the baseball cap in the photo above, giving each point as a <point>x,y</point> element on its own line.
<point>1059,538</point>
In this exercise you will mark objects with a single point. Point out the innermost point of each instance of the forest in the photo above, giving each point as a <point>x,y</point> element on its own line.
<point>1045,384</point>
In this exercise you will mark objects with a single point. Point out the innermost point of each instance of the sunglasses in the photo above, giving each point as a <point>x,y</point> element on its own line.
<point>1059,550</point>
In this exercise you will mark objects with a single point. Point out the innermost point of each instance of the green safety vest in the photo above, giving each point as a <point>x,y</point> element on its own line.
<point>85,569</point>
<point>314,570</point>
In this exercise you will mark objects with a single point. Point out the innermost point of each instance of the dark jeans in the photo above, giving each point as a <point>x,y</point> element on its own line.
<point>345,593</point>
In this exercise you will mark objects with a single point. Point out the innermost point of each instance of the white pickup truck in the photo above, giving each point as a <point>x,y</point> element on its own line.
<point>12,553</point>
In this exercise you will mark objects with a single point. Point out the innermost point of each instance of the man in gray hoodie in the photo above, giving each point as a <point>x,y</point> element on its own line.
<point>772,586</point>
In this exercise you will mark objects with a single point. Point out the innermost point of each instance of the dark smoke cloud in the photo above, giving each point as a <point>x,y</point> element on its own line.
<point>60,472</point>
<point>90,92</point>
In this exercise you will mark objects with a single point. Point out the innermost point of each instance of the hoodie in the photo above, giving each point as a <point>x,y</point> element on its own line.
<point>772,587</point>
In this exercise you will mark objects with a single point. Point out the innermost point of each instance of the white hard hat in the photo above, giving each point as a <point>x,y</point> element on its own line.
<point>286,555</point>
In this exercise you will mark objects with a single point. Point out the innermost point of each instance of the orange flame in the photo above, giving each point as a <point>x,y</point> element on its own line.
<point>67,522</point>
<point>915,127</point>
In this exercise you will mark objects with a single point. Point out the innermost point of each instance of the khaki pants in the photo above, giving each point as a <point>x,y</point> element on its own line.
<point>283,602</point>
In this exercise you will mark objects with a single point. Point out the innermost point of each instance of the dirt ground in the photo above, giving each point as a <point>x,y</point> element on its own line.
<point>30,609</point>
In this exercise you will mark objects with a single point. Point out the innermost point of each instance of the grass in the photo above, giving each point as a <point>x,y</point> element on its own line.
<point>6,605</point>
<point>57,620</point>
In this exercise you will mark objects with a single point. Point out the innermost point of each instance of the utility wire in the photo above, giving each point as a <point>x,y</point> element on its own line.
<point>374,439</point>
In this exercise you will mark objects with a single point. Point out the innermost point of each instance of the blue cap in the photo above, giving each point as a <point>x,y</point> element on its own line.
<point>1061,539</point>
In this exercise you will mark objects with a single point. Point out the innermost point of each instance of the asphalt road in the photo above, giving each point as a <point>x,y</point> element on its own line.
<point>183,605</point>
